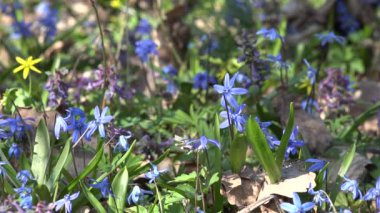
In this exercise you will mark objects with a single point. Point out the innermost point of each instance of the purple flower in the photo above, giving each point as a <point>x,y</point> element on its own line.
<point>297,206</point>
<point>235,118</point>
<point>227,90</point>
<point>98,123</point>
<point>153,173</point>
<point>317,165</point>
<point>201,143</point>
<point>144,27</point>
<point>330,38</point>
<point>66,201</point>
<point>137,194</point>
<point>144,48</point>
<point>202,80</point>
<point>270,34</point>
<point>374,193</point>
<point>103,186</point>
<point>311,72</point>
<point>15,150</point>
<point>21,29</point>
<point>57,88</point>
<point>351,186</point>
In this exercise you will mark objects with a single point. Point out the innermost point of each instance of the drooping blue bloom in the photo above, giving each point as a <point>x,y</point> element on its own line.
<point>98,123</point>
<point>271,139</point>
<point>243,79</point>
<point>21,29</point>
<point>122,144</point>
<point>24,176</point>
<point>26,201</point>
<point>311,72</point>
<point>227,90</point>
<point>351,186</point>
<point>153,173</point>
<point>317,165</point>
<point>202,80</point>
<point>270,34</point>
<point>235,118</point>
<point>144,27</point>
<point>330,38</point>
<point>15,150</point>
<point>66,201</point>
<point>170,70</point>
<point>3,172</point>
<point>278,62</point>
<point>319,196</point>
<point>103,186</point>
<point>60,124</point>
<point>76,122</point>
<point>201,143</point>
<point>374,193</point>
<point>313,105</point>
<point>23,190</point>
<point>137,194</point>
<point>144,48</point>
<point>297,206</point>
<point>48,18</point>
<point>293,143</point>
<point>16,126</point>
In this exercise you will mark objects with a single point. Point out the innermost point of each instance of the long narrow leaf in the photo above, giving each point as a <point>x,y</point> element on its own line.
<point>119,188</point>
<point>41,153</point>
<point>56,171</point>
<point>262,150</point>
<point>92,199</point>
<point>280,152</point>
<point>347,160</point>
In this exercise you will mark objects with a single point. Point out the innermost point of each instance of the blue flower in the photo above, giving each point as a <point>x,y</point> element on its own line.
<point>144,27</point>
<point>330,38</point>
<point>98,123</point>
<point>317,165</point>
<point>60,124</point>
<point>202,80</point>
<point>227,90</point>
<point>23,190</point>
<point>122,145</point>
<point>76,122</point>
<point>103,186</point>
<point>351,186</point>
<point>201,143</point>
<point>3,172</point>
<point>15,150</point>
<point>170,70</point>
<point>345,211</point>
<point>297,206</point>
<point>137,194</point>
<point>21,29</point>
<point>311,72</point>
<point>153,173</point>
<point>235,118</point>
<point>278,62</point>
<point>374,193</point>
<point>24,176</point>
<point>271,139</point>
<point>313,105</point>
<point>26,201</point>
<point>48,17</point>
<point>66,201</point>
<point>319,196</point>
<point>293,144</point>
<point>144,48</point>
<point>17,126</point>
<point>270,34</point>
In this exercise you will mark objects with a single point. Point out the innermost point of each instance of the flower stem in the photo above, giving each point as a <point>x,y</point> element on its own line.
<point>196,184</point>
<point>230,126</point>
<point>159,197</point>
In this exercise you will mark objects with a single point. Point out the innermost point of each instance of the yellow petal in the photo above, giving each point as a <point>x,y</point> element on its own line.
<point>26,72</point>
<point>35,69</point>
<point>35,61</point>
<point>20,60</point>
<point>18,69</point>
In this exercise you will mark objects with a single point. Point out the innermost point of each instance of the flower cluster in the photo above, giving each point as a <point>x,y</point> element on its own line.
<point>24,192</point>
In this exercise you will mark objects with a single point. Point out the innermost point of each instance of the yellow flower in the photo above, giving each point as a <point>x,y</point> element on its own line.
<point>116,4</point>
<point>27,65</point>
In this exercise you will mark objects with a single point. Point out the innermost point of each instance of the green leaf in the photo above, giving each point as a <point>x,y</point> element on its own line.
<point>119,188</point>
<point>41,153</point>
<point>262,150</point>
<point>238,152</point>
<point>185,178</point>
<point>42,193</point>
<point>56,172</point>
<point>280,152</point>
<point>320,179</point>
<point>347,160</point>
<point>91,167</point>
<point>11,172</point>
<point>92,199</point>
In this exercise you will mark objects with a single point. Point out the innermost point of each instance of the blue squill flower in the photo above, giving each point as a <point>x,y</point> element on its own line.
<point>153,173</point>
<point>170,70</point>
<point>317,165</point>
<point>60,125</point>
<point>21,29</point>
<point>227,91</point>
<point>201,143</point>
<point>103,186</point>
<point>235,118</point>
<point>15,150</point>
<point>374,193</point>
<point>26,201</point>
<point>144,27</point>
<point>66,201</point>
<point>3,172</point>
<point>330,38</point>
<point>76,122</point>
<point>24,176</point>
<point>202,80</point>
<point>16,126</point>
<point>23,190</point>
<point>311,72</point>
<point>144,48</point>
<point>319,196</point>
<point>137,194</point>
<point>98,123</point>
<point>297,206</point>
<point>313,105</point>
<point>293,143</point>
<point>271,139</point>
<point>270,34</point>
<point>351,186</point>
<point>122,144</point>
